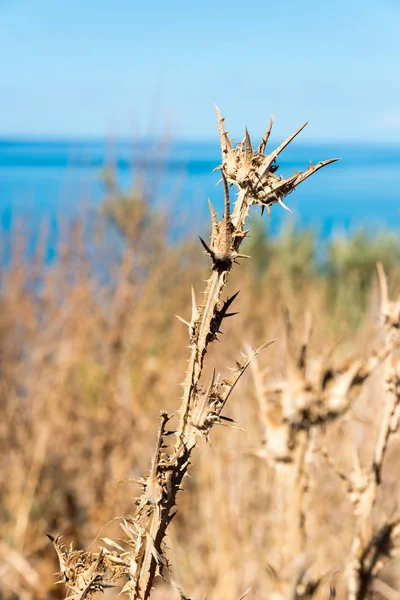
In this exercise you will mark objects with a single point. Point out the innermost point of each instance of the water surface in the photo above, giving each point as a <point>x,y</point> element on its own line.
<point>52,179</point>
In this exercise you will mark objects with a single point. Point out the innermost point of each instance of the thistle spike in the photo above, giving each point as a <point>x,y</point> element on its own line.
<point>222,314</point>
<point>226,233</point>
<point>226,146</point>
<point>245,255</point>
<point>282,183</point>
<point>227,202</point>
<point>206,248</point>
<point>211,384</point>
<point>313,169</point>
<point>249,148</point>
<point>59,550</point>
<point>286,186</point>
<point>213,220</point>
<point>271,157</point>
<point>182,320</point>
<point>231,299</point>
<point>264,141</point>
<point>195,312</point>
<point>281,203</point>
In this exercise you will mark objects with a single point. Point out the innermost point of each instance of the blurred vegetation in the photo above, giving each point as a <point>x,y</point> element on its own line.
<point>88,362</point>
<point>350,267</point>
<point>344,264</point>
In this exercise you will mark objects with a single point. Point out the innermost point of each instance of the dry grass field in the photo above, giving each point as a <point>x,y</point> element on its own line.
<point>290,483</point>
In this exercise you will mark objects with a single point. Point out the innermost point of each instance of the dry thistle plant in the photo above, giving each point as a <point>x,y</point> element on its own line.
<point>141,555</point>
<point>296,413</point>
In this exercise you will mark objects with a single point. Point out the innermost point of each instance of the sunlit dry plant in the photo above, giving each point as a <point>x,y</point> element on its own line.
<point>141,554</point>
<point>372,548</point>
<point>295,413</point>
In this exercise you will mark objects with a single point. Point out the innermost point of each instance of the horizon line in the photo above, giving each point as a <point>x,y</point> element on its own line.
<point>168,140</point>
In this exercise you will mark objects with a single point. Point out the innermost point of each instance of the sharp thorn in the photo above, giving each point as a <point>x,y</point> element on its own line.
<point>264,141</point>
<point>281,203</point>
<point>182,320</point>
<point>207,249</point>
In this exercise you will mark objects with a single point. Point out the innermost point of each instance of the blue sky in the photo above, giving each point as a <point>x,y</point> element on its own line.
<point>130,67</point>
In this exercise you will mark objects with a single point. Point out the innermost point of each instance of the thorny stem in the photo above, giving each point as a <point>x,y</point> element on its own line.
<point>212,293</point>
<point>252,173</point>
<point>241,209</point>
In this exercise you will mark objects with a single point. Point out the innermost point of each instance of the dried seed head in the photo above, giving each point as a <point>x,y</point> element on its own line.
<point>253,171</point>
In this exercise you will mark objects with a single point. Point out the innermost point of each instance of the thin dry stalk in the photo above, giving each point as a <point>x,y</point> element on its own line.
<point>371,550</point>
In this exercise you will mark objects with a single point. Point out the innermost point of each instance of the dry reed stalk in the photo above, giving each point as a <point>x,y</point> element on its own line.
<point>141,555</point>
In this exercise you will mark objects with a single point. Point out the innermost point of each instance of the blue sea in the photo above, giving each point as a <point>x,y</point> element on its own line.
<point>55,180</point>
